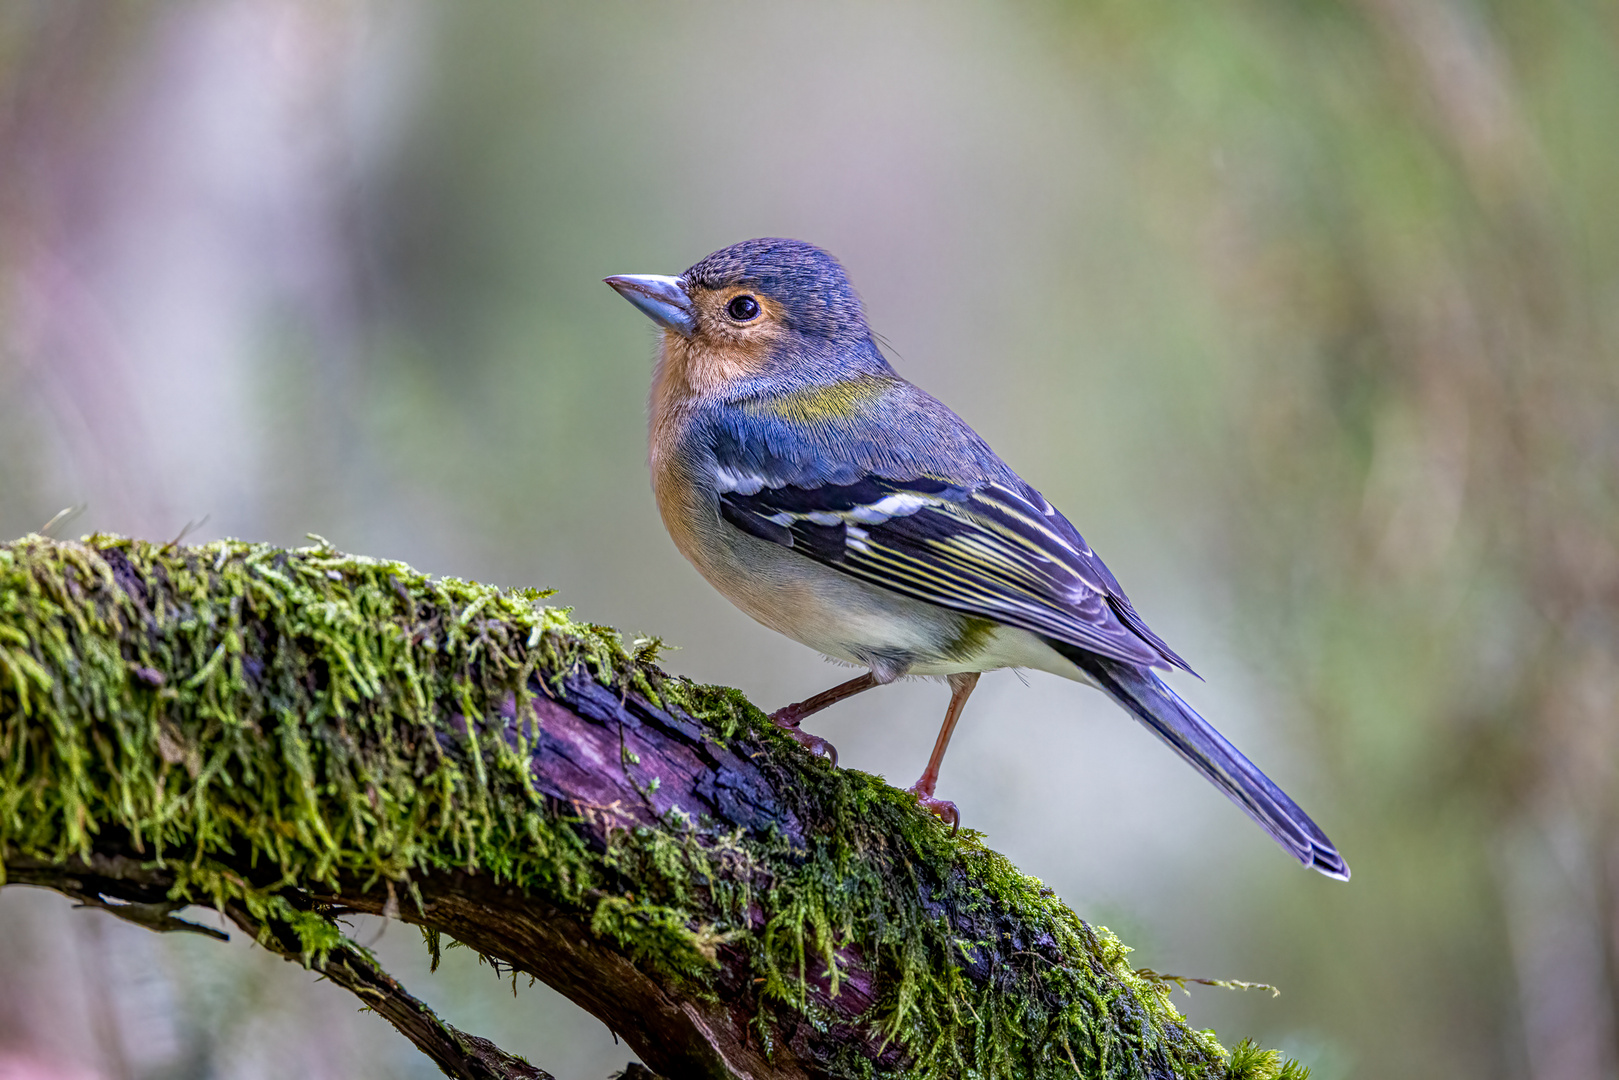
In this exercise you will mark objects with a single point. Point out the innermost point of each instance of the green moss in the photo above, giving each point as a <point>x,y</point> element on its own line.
<point>1249,1062</point>
<point>256,719</point>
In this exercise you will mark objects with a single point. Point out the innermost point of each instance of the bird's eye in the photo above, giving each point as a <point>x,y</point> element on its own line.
<point>743,308</point>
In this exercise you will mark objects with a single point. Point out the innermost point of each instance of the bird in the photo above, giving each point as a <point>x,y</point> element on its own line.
<point>841,505</point>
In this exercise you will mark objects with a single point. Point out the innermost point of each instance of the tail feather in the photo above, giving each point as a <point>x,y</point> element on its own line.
<point>1152,702</point>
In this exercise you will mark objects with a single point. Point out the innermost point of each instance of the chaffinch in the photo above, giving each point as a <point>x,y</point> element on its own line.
<point>842,506</point>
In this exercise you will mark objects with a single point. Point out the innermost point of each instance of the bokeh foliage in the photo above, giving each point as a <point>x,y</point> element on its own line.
<point>1306,313</point>
<point>1411,228</point>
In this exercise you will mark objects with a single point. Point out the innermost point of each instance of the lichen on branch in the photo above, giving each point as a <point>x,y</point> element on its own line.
<point>296,734</point>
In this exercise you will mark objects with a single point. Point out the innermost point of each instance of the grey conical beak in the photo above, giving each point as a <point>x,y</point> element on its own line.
<point>662,299</point>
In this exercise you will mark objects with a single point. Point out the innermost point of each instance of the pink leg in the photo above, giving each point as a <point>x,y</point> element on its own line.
<point>790,716</point>
<point>961,686</point>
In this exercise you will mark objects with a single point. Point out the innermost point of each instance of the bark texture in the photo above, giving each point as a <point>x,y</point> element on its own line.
<point>292,735</point>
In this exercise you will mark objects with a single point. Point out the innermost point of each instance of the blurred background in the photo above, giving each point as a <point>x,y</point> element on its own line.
<point>1306,314</point>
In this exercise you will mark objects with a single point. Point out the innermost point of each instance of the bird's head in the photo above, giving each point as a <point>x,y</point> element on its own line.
<point>761,306</point>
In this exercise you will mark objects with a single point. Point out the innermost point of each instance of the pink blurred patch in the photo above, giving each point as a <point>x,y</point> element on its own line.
<point>14,1066</point>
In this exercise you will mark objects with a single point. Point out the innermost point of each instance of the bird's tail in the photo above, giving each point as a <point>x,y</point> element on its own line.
<point>1152,702</point>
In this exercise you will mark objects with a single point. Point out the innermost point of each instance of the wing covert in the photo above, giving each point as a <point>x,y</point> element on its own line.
<point>986,550</point>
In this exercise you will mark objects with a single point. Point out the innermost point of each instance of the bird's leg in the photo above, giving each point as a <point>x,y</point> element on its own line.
<point>961,686</point>
<point>790,716</point>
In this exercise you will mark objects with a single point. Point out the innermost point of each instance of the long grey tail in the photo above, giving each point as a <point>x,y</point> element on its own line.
<point>1194,738</point>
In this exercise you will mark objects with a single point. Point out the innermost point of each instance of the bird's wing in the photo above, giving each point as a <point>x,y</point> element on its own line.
<point>985,549</point>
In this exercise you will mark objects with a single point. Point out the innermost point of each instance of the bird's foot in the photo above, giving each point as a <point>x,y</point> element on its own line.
<point>943,809</point>
<point>788,720</point>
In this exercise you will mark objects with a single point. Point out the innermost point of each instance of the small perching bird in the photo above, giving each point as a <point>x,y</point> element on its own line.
<point>840,505</point>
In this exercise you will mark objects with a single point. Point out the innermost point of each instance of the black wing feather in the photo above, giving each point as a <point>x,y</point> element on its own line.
<point>988,550</point>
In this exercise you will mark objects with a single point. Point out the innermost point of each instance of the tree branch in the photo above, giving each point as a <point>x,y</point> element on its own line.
<point>125,888</point>
<point>289,736</point>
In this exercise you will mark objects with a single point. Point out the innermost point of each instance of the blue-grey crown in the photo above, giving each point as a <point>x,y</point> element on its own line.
<point>808,283</point>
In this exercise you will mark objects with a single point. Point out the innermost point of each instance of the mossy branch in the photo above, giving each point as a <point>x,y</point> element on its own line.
<point>289,736</point>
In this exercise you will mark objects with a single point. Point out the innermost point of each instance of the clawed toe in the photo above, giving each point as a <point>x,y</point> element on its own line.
<point>943,809</point>
<point>788,720</point>
<point>815,745</point>
<point>788,716</point>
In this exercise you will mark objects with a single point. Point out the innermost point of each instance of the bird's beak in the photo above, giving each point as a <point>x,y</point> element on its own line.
<point>661,299</point>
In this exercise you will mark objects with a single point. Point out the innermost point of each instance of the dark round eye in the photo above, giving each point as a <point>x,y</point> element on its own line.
<point>743,308</point>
